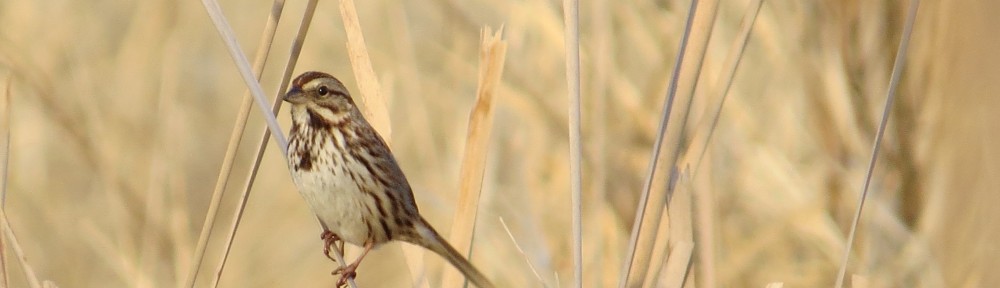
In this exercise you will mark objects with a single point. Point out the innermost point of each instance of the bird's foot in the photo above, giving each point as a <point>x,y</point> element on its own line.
<point>329,239</point>
<point>346,273</point>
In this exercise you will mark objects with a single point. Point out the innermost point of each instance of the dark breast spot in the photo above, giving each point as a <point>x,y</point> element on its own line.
<point>305,160</point>
<point>317,122</point>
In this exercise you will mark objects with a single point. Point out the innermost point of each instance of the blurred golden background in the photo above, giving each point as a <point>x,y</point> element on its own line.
<point>120,112</point>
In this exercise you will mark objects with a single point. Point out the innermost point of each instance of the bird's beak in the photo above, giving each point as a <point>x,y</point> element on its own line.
<point>295,96</point>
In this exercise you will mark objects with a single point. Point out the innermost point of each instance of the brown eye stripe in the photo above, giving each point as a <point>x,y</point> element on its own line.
<point>309,76</point>
<point>338,92</point>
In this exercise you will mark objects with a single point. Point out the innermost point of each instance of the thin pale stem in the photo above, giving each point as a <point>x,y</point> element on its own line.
<point>5,149</point>
<point>732,65</point>
<point>661,132</point>
<point>705,214</point>
<point>525,255</point>
<point>235,137</point>
<point>227,34</point>
<point>262,144</point>
<point>571,12</point>
<point>5,154</point>
<point>897,71</point>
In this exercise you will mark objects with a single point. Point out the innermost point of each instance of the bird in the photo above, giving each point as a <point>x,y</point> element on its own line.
<point>350,179</point>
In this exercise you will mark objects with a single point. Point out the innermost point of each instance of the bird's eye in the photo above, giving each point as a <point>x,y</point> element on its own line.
<point>323,91</point>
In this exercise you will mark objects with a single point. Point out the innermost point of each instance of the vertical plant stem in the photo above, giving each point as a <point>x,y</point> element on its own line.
<point>5,148</point>
<point>262,144</point>
<point>704,199</point>
<point>571,14</point>
<point>710,121</point>
<point>263,47</point>
<point>655,206</point>
<point>5,155</point>
<point>897,71</point>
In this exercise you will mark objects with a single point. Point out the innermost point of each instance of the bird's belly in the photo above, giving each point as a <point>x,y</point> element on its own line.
<point>339,203</point>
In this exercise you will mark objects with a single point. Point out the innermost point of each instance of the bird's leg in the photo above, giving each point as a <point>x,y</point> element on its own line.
<point>349,271</point>
<point>330,239</point>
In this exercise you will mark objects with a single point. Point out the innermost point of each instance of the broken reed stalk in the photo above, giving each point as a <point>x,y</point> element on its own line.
<point>680,231</point>
<point>897,71</point>
<point>263,47</point>
<point>492,52</point>
<point>571,15</point>
<point>293,57</point>
<point>373,104</point>
<point>683,81</point>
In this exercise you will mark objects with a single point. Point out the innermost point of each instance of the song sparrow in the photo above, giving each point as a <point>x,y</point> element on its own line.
<point>350,179</point>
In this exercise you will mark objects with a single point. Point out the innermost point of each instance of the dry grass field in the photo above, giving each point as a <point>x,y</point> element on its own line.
<point>119,114</point>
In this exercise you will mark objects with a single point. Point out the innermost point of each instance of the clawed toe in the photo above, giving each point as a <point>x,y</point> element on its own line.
<point>346,273</point>
<point>329,239</point>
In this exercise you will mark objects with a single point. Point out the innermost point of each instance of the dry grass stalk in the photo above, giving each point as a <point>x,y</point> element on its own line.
<point>571,16</point>
<point>700,23</point>
<point>775,285</point>
<point>263,47</point>
<point>4,160</point>
<point>520,250</point>
<point>29,273</point>
<point>705,228</point>
<point>493,51</point>
<point>5,142</point>
<point>705,200</point>
<point>373,104</point>
<point>638,239</point>
<point>708,122</point>
<point>262,144</point>
<point>243,65</point>
<point>897,71</point>
<point>772,163</point>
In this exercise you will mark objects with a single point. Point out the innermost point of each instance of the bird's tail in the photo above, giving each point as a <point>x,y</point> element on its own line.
<point>431,240</point>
